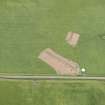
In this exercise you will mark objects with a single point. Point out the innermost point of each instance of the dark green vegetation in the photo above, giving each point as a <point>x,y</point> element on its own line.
<point>52,93</point>
<point>29,26</point>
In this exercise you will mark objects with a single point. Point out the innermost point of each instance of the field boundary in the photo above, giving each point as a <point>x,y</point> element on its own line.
<point>46,77</point>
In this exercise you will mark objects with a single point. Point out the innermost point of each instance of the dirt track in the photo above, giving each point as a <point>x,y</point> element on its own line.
<point>17,77</point>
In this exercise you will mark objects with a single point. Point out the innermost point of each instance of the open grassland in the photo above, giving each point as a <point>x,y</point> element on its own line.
<point>15,93</point>
<point>29,26</point>
<point>52,93</point>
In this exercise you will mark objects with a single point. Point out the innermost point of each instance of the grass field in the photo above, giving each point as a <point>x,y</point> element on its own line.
<point>52,93</point>
<point>29,26</point>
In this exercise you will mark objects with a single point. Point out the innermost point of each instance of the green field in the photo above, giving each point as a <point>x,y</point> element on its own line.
<point>52,93</point>
<point>29,26</point>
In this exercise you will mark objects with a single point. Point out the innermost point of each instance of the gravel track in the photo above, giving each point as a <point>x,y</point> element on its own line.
<point>43,77</point>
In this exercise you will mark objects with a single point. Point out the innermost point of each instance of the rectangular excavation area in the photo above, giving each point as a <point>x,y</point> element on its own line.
<point>72,38</point>
<point>61,65</point>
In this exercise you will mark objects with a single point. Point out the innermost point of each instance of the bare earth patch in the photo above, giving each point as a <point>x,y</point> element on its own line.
<point>61,65</point>
<point>72,38</point>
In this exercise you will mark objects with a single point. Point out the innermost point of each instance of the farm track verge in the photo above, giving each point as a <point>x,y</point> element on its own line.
<point>50,77</point>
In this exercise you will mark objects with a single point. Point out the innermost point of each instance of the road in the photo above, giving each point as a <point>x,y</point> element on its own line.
<point>43,77</point>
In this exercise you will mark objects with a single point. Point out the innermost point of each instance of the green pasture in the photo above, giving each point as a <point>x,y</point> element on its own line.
<point>29,26</point>
<point>52,93</point>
